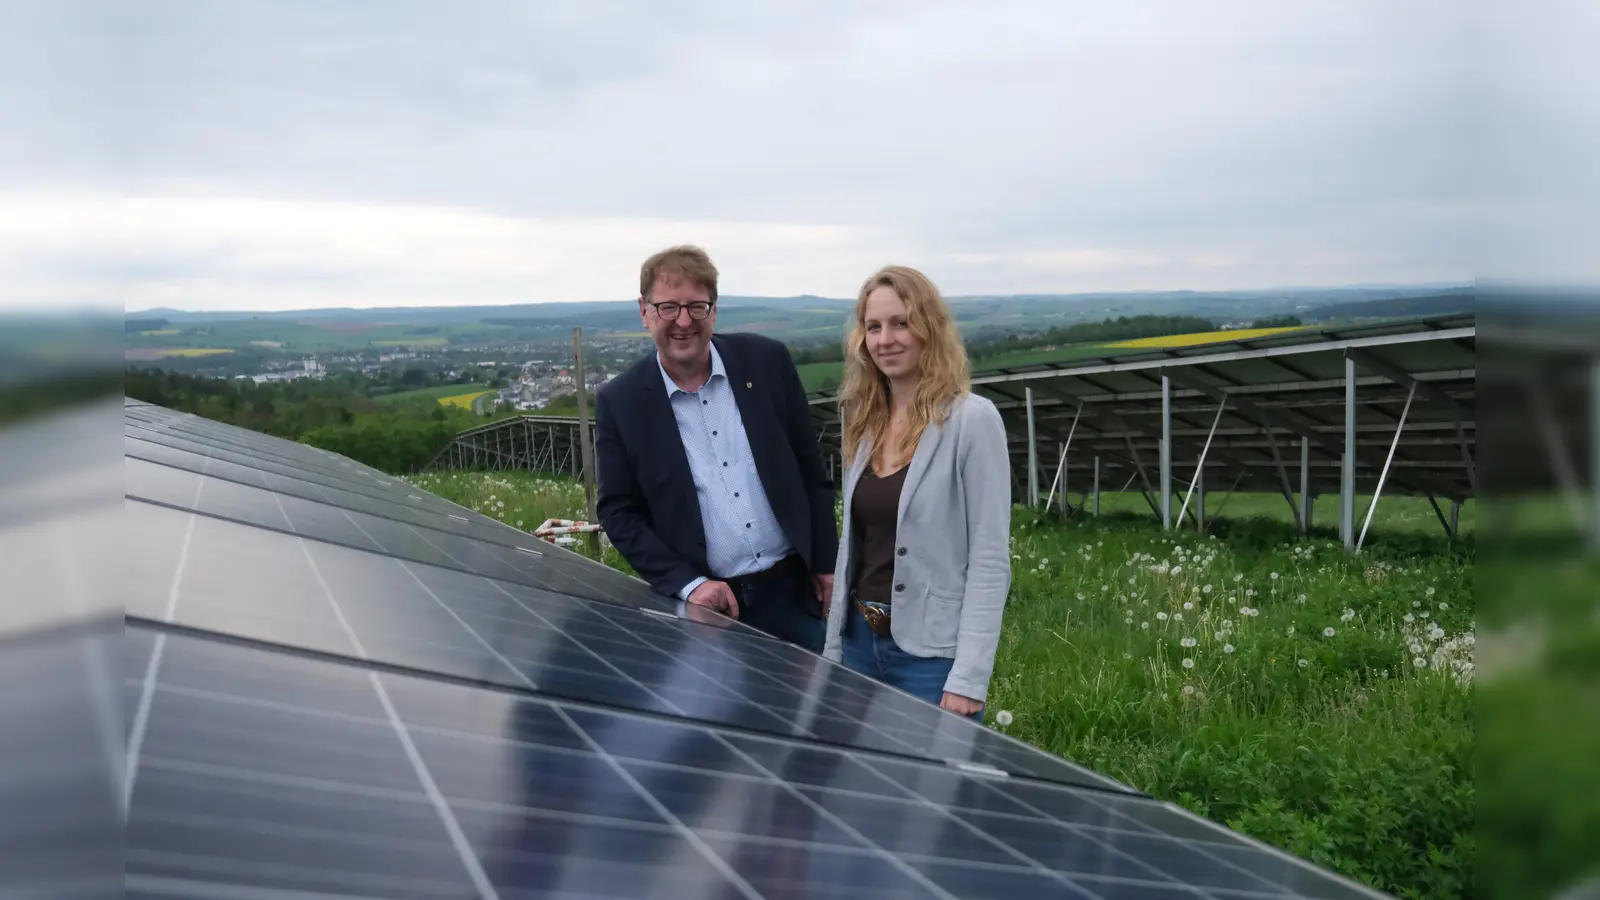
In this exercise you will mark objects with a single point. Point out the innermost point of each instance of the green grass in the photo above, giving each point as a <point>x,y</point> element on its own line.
<point>433,393</point>
<point>1337,747</point>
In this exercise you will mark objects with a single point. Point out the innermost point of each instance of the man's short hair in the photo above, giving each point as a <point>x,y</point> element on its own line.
<point>685,261</point>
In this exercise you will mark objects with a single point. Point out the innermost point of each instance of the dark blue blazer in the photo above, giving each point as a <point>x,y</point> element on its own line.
<point>647,502</point>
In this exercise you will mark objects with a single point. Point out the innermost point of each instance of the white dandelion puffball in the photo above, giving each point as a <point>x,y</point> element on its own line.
<point>1420,663</point>
<point>1162,616</point>
<point>1188,663</point>
<point>1188,690</point>
<point>1206,589</point>
<point>1416,648</point>
<point>1045,561</point>
<point>1444,606</point>
<point>1144,626</point>
<point>1304,663</point>
<point>1327,632</point>
<point>1188,605</point>
<point>1177,617</point>
<point>1003,718</point>
<point>1188,642</point>
<point>1274,576</point>
<point>1238,577</point>
<point>1409,618</point>
<point>1227,648</point>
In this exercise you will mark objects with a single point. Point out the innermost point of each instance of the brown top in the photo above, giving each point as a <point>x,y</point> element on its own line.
<point>875,512</point>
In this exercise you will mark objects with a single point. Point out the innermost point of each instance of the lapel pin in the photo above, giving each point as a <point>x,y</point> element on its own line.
<point>749,384</point>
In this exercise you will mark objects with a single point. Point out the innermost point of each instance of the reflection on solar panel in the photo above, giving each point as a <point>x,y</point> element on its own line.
<point>337,690</point>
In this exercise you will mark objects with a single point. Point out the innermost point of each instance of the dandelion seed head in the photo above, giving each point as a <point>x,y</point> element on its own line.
<point>1003,718</point>
<point>1227,648</point>
<point>1327,632</point>
<point>1188,663</point>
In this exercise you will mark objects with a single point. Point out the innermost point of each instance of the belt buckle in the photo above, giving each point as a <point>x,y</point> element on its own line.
<point>877,619</point>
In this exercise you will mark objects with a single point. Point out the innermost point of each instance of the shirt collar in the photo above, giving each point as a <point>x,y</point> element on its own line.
<point>672,386</point>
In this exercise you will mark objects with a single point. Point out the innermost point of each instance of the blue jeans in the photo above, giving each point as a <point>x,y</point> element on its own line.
<point>882,659</point>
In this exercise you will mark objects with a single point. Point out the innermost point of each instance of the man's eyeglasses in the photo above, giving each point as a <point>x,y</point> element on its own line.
<point>669,310</point>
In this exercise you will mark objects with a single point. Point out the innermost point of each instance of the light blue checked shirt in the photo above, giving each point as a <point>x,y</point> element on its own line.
<point>742,532</point>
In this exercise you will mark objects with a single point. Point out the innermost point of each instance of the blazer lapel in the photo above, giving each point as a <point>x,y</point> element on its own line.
<point>661,421</point>
<point>926,446</point>
<point>752,411</point>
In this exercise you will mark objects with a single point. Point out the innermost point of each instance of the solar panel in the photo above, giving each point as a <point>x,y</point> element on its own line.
<point>270,770</point>
<point>326,696</point>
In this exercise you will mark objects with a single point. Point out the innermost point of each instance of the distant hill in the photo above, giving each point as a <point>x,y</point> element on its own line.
<point>1457,301</point>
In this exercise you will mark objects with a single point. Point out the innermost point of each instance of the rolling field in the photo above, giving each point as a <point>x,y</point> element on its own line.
<point>463,401</point>
<point>1319,701</point>
<point>440,393</point>
<point>1195,340</point>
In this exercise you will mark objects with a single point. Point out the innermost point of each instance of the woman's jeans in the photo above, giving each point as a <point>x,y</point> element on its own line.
<point>882,659</point>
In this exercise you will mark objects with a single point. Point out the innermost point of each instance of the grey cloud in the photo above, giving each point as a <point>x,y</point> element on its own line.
<point>1319,140</point>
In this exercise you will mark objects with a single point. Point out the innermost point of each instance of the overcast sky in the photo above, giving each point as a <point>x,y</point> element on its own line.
<point>303,153</point>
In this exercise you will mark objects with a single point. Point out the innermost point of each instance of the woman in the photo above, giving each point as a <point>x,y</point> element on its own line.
<point>924,559</point>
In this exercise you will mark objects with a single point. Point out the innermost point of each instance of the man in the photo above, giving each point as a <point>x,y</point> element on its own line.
<point>712,483</point>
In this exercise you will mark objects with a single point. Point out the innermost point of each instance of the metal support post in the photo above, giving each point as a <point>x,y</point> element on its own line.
<point>1097,487</point>
<point>1033,452</point>
<point>1166,423</point>
<point>1305,485</point>
<point>1061,464</point>
<point>584,448</point>
<point>1377,490</point>
<point>1199,498</point>
<point>1166,451</point>
<point>1347,473</point>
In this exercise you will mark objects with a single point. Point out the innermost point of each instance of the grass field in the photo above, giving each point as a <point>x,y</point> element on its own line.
<point>195,351</point>
<point>428,341</point>
<point>440,393</point>
<point>1319,701</point>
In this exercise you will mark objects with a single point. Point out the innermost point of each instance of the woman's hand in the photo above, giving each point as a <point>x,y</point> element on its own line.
<point>960,705</point>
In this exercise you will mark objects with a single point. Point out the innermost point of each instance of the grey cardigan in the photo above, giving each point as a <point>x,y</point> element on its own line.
<point>952,568</point>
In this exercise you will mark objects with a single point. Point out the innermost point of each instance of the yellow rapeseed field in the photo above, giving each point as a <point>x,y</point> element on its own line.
<point>463,400</point>
<point>194,351</point>
<point>1204,337</point>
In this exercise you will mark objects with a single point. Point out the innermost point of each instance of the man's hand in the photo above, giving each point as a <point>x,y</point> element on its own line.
<point>964,706</point>
<point>716,595</point>
<point>824,585</point>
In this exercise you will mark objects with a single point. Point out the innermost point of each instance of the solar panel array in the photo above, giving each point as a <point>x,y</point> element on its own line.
<point>339,685</point>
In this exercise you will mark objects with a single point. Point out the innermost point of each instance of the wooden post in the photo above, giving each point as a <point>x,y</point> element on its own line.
<point>584,446</point>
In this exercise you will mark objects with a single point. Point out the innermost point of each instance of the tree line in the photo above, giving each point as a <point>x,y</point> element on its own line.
<point>398,437</point>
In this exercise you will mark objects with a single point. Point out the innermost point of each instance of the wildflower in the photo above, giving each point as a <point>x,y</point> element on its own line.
<point>1104,588</point>
<point>1436,633</point>
<point>1409,618</point>
<point>1080,595</point>
<point>1416,604</point>
<point>1177,569</point>
<point>1044,562</point>
<point>1238,577</point>
<point>1003,718</point>
<point>1221,635</point>
<point>1129,620</point>
<point>1206,589</point>
<point>1188,605</point>
<point>1188,690</point>
<point>1304,663</point>
<point>1428,592</point>
<point>1290,632</point>
<point>1188,663</point>
<point>1327,632</point>
<point>1227,623</point>
<point>1227,648</point>
<point>1347,615</point>
<point>1274,576</point>
<point>1177,617</point>
<point>1188,642</point>
<point>1420,663</point>
<point>1300,599</point>
<point>1444,606</point>
<point>1162,616</point>
<point>1416,648</point>
<point>1144,626</point>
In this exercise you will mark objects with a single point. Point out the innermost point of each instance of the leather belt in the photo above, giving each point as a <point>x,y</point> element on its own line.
<point>877,619</point>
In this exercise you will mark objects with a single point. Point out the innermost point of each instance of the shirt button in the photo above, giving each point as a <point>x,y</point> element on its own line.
<point>899,587</point>
<point>713,434</point>
<point>736,493</point>
<point>747,524</point>
<point>724,465</point>
<point>900,552</point>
